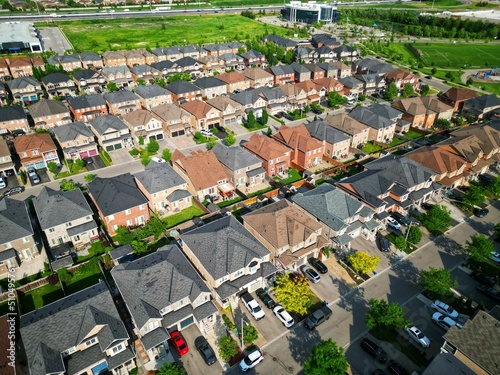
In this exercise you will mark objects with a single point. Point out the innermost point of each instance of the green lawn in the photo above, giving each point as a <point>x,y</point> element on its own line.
<point>229,202</point>
<point>293,175</point>
<point>370,148</point>
<point>413,134</point>
<point>105,157</point>
<point>184,215</point>
<point>40,297</point>
<point>460,55</point>
<point>83,277</point>
<point>396,141</point>
<point>492,87</point>
<point>103,35</point>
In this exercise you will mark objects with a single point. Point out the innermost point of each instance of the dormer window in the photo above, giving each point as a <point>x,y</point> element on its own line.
<point>91,342</point>
<point>252,267</point>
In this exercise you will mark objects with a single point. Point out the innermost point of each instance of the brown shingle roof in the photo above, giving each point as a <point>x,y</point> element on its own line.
<point>455,94</point>
<point>41,142</point>
<point>439,159</point>
<point>345,123</point>
<point>265,147</point>
<point>298,138</point>
<point>138,117</point>
<point>256,73</point>
<point>232,77</point>
<point>197,108</point>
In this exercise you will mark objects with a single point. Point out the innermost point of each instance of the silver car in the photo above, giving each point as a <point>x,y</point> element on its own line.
<point>311,274</point>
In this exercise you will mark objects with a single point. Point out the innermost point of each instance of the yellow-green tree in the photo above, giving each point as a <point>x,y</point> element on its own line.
<point>363,262</point>
<point>293,293</point>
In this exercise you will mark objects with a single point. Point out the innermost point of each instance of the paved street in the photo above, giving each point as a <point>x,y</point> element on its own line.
<point>286,355</point>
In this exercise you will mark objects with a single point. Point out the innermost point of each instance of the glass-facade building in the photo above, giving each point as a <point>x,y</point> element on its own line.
<point>310,12</point>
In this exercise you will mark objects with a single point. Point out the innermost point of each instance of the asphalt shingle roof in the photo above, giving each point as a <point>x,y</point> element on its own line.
<point>120,97</point>
<point>324,132</point>
<point>14,220</point>
<point>151,91</point>
<point>158,177</point>
<point>72,131</point>
<point>46,107</point>
<point>371,119</point>
<point>86,101</point>
<point>10,113</point>
<point>181,87</point>
<point>103,124</point>
<point>235,157</point>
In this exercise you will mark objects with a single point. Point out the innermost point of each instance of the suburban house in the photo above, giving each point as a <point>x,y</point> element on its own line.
<point>345,123</point>
<point>204,116</point>
<point>48,114</point>
<point>25,89</point>
<point>205,175</point>
<point>152,95</point>
<point>250,101</point>
<point>316,71</point>
<point>456,97</point>
<point>352,87</point>
<point>87,107</point>
<point>297,96</point>
<point>165,190</point>
<point>275,156</point>
<point>259,77</point>
<point>391,113</point>
<point>112,134</point>
<point>119,75</point>
<point>211,64</point>
<point>320,39</point>
<point>122,102</point>
<point>231,112</point>
<point>65,217</point>
<point>175,120</point>
<point>313,92</point>
<point>183,91</point>
<point>380,129</point>
<point>243,263</point>
<point>211,87</point>
<point>290,233</point>
<point>308,54</point>
<point>301,73</point>
<point>17,244</point>
<point>58,84</point>
<point>20,67</point>
<point>344,217</point>
<point>484,106</point>
<point>335,142</point>
<point>78,334</point>
<point>343,70</point>
<point>166,67</point>
<point>76,141</point>
<point>402,77</point>
<point>232,61</point>
<point>6,165</point>
<point>145,73</point>
<point>143,124</point>
<point>327,85</point>
<point>372,83</point>
<point>68,62</point>
<point>254,59</point>
<point>90,60</point>
<point>287,44</point>
<point>345,53</point>
<point>443,110</point>
<point>13,118</point>
<point>276,100</point>
<point>89,80</point>
<point>307,151</point>
<point>416,113</point>
<point>243,169</point>
<point>36,150</point>
<point>113,58</point>
<point>370,65</point>
<point>189,65</point>
<point>283,74</point>
<point>163,292</point>
<point>119,202</point>
<point>234,81</point>
<point>488,136</point>
<point>4,95</point>
<point>330,70</point>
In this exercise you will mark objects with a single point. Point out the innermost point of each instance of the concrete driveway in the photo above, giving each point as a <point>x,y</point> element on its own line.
<point>362,244</point>
<point>120,156</point>
<point>97,163</point>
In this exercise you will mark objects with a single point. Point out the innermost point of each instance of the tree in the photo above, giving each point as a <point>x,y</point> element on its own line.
<point>230,139</point>
<point>89,177</point>
<point>251,122</point>
<point>361,97</point>
<point>52,167</point>
<point>469,81</point>
<point>228,348</point>
<point>124,236</point>
<point>166,155</point>
<point>335,99</point>
<point>437,219</point>
<point>407,90</point>
<point>391,92</point>
<point>479,247</point>
<point>250,334</point>
<point>171,368</point>
<point>67,185</point>
<point>326,358</point>
<point>152,146</point>
<point>400,243</point>
<point>433,71</point>
<point>293,293</point>
<point>494,187</point>
<point>437,280</point>
<point>385,316</point>
<point>112,87</point>
<point>145,158</point>
<point>212,141</point>
<point>424,90</point>
<point>414,235</point>
<point>497,229</point>
<point>473,196</point>
<point>264,118</point>
<point>363,263</point>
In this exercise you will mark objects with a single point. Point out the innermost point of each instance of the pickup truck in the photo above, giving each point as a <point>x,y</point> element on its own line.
<point>253,306</point>
<point>318,317</point>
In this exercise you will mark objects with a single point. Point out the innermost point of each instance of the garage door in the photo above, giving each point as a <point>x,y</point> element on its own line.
<point>178,133</point>
<point>159,136</point>
<point>253,287</point>
<point>93,152</point>
<point>109,148</point>
<point>40,165</point>
<point>118,146</point>
<point>186,322</point>
<point>84,154</point>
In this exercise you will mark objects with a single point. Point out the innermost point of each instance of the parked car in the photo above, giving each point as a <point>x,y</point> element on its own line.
<point>383,243</point>
<point>482,278</point>
<point>393,223</point>
<point>426,206</point>
<point>88,160</point>
<point>495,257</point>
<point>206,351</point>
<point>486,178</point>
<point>33,175</point>
<point>251,360</point>
<point>3,182</point>
<point>417,336</point>
<point>444,321</point>
<point>265,298</point>
<point>481,212</point>
<point>283,316</point>
<point>157,159</point>
<point>179,343</point>
<point>253,306</point>
<point>445,309</point>
<point>396,369</point>
<point>455,197</point>
<point>311,274</point>
<point>318,265</point>
<point>374,350</point>
<point>317,317</point>
<point>14,190</point>
<point>489,291</point>
<point>405,220</point>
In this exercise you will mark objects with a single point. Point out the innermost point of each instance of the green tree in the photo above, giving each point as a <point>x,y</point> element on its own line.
<point>171,368</point>
<point>166,155</point>
<point>250,334</point>
<point>473,196</point>
<point>479,247</point>
<point>52,167</point>
<point>361,97</point>
<point>433,71</point>
<point>391,92</point>
<point>424,90</point>
<point>362,262</point>
<point>77,166</point>
<point>264,118</point>
<point>230,139</point>
<point>400,243</point>
<point>335,99</point>
<point>228,348</point>
<point>384,315</point>
<point>124,236</point>
<point>407,90</point>
<point>437,280</point>
<point>494,187</point>
<point>89,177</point>
<point>212,141</point>
<point>141,82</point>
<point>469,81</point>
<point>112,87</point>
<point>67,185</point>
<point>145,158</point>
<point>437,219</point>
<point>443,123</point>
<point>497,229</point>
<point>64,275</point>
<point>326,358</point>
<point>414,235</point>
<point>153,146</point>
<point>293,293</point>
<point>251,122</point>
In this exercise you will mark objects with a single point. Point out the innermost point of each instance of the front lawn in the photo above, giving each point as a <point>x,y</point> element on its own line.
<point>39,297</point>
<point>105,157</point>
<point>184,215</point>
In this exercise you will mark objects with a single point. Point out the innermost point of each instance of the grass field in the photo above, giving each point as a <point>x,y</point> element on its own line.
<point>492,87</point>
<point>100,36</point>
<point>461,55</point>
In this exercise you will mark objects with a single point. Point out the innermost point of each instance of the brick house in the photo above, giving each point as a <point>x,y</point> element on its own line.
<point>143,124</point>
<point>456,97</point>
<point>48,114</point>
<point>112,134</point>
<point>231,111</point>
<point>122,102</point>
<point>259,77</point>
<point>336,142</point>
<point>183,91</point>
<point>275,156</point>
<point>36,150</point>
<point>76,140</point>
<point>359,132</point>
<point>234,81</point>
<point>13,118</point>
<point>58,84</point>
<point>175,120</point>
<point>119,75</point>
<point>25,89</point>
<point>153,95</point>
<point>204,116</point>
<point>87,107</point>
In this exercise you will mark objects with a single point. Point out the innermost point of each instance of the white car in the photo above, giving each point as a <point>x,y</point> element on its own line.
<point>495,257</point>
<point>444,309</point>
<point>393,223</point>
<point>418,336</point>
<point>3,182</point>
<point>157,159</point>
<point>444,321</point>
<point>283,316</point>
<point>251,360</point>
<point>34,176</point>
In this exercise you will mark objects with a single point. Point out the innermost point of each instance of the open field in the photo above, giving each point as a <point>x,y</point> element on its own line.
<point>100,36</point>
<point>493,87</point>
<point>459,55</point>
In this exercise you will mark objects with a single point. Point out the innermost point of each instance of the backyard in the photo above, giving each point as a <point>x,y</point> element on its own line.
<point>39,297</point>
<point>184,215</point>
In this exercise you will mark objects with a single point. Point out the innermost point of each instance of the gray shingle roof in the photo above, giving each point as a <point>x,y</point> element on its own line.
<point>144,69</point>
<point>56,78</point>
<point>299,68</point>
<point>85,74</point>
<point>116,194</point>
<point>181,87</point>
<point>157,177</point>
<point>208,82</point>
<point>178,195</point>
<point>52,329</point>
<point>279,70</point>
<point>324,132</point>
<point>350,82</point>
<point>246,97</point>
<point>151,91</point>
<point>56,207</point>
<point>111,70</point>
<point>371,119</point>
<point>235,157</point>
<point>22,82</point>
<point>156,281</point>
<point>385,110</point>
<point>369,185</point>
<point>121,251</point>
<point>14,220</point>
<point>224,246</point>
<point>281,41</point>
<point>14,112</point>
<point>46,107</point>
<point>270,94</point>
<point>103,124</point>
<point>186,61</point>
<point>120,97</point>
<point>72,131</point>
<point>86,101</point>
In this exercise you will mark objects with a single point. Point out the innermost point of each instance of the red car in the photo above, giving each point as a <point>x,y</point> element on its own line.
<point>179,343</point>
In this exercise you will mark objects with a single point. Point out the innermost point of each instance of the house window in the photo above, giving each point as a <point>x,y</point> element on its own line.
<point>127,212</point>
<point>52,230</point>
<point>117,349</point>
<point>69,351</point>
<point>68,224</point>
<point>141,207</point>
<point>91,342</point>
<point>111,218</point>
<point>34,152</point>
<point>26,239</point>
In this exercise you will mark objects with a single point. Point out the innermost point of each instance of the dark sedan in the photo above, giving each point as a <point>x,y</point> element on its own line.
<point>490,292</point>
<point>205,350</point>
<point>265,298</point>
<point>481,212</point>
<point>318,265</point>
<point>482,278</point>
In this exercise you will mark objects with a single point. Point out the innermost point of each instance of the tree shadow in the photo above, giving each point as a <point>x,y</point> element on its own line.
<point>300,343</point>
<point>404,269</point>
<point>353,300</point>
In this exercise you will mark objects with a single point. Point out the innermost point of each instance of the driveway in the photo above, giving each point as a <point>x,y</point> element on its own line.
<point>362,244</point>
<point>120,156</point>
<point>11,181</point>
<point>97,163</point>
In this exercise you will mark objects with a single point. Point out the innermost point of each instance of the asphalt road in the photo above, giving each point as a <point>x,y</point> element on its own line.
<point>287,354</point>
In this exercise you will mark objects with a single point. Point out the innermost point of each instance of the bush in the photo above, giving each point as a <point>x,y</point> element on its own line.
<point>152,146</point>
<point>229,324</point>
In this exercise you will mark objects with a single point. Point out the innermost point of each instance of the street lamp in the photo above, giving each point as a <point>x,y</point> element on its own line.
<point>408,230</point>
<point>242,342</point>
